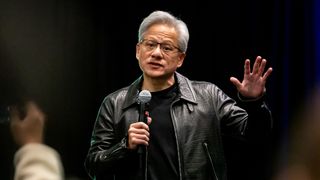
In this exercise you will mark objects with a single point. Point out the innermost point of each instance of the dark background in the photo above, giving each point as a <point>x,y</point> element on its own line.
<point>68,54</point>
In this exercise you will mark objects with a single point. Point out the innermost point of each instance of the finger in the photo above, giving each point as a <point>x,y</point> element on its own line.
<point>149,120</point>
<point>143,125</point>
<point>34,111</point>
<point>267,74</point>
<point>139,134</point>
<point>137,140</point>
<point>247,67</point>
<point>256,65</point>
<point>34,117</point>
<point>262,66</point>
<point>143,137</point>
<point>139,126</point>
<point>235,82</point>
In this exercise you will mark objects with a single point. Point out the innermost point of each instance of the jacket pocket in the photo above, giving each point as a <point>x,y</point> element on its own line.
<point>206,148</point>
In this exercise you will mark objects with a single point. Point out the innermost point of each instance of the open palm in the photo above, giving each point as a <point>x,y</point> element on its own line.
<point>253,83</point>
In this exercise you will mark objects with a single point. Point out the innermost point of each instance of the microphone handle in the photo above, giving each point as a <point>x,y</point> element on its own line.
<point>142,113</point>
<point>142,118</point>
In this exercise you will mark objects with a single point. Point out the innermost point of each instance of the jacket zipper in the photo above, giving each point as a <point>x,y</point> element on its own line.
<point>210,159</point>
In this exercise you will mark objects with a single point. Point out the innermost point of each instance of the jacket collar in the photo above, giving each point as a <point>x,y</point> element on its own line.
<point>186,91</point>
<point>185,88</point>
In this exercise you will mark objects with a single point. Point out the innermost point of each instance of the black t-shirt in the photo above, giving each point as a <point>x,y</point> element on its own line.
<point>162,149</point>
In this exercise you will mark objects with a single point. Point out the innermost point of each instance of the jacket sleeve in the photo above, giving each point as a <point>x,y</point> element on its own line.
<point>37,161</point>
<point>260,121</point>
<point>107,151</point>
<point>248,118</point>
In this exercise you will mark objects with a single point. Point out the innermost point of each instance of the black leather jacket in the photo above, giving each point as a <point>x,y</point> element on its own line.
<point>201,113</point>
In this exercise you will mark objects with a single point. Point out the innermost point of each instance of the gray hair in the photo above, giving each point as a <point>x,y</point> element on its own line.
<point>162,17</point>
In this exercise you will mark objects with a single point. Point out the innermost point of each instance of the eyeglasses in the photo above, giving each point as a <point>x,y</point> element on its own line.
<point>151,45</point>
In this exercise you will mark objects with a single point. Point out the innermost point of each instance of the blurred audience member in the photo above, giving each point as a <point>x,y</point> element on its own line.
<point>34,160</point>
<point>304,143</point>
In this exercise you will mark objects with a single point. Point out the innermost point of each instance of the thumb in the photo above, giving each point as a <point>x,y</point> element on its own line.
<point>235,82</point>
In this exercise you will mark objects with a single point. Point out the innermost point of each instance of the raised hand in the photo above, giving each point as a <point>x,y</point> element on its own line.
<point>253,83</point>
<point>28,129</point>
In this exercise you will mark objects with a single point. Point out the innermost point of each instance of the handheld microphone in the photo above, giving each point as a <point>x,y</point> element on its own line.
<point>143,99</point>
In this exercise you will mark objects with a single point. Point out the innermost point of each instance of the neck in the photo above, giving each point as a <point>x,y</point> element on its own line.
<point>157,84</point>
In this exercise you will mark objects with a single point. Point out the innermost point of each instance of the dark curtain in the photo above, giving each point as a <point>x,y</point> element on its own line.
<point>48,53</point>
<point>68,55</point>
<point>316,24</point>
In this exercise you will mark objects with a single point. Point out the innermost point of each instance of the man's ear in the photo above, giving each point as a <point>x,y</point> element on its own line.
<point>181,59</point>
<point>137,51</point>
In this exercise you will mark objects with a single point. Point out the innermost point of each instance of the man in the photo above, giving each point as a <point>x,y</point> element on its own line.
<point>34,160</point>
<point>183,134</point>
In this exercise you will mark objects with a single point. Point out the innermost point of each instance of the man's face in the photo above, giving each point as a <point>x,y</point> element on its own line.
<point>158,54</point>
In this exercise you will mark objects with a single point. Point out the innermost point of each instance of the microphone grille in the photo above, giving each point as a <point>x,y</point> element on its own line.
<point>144,96</point>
